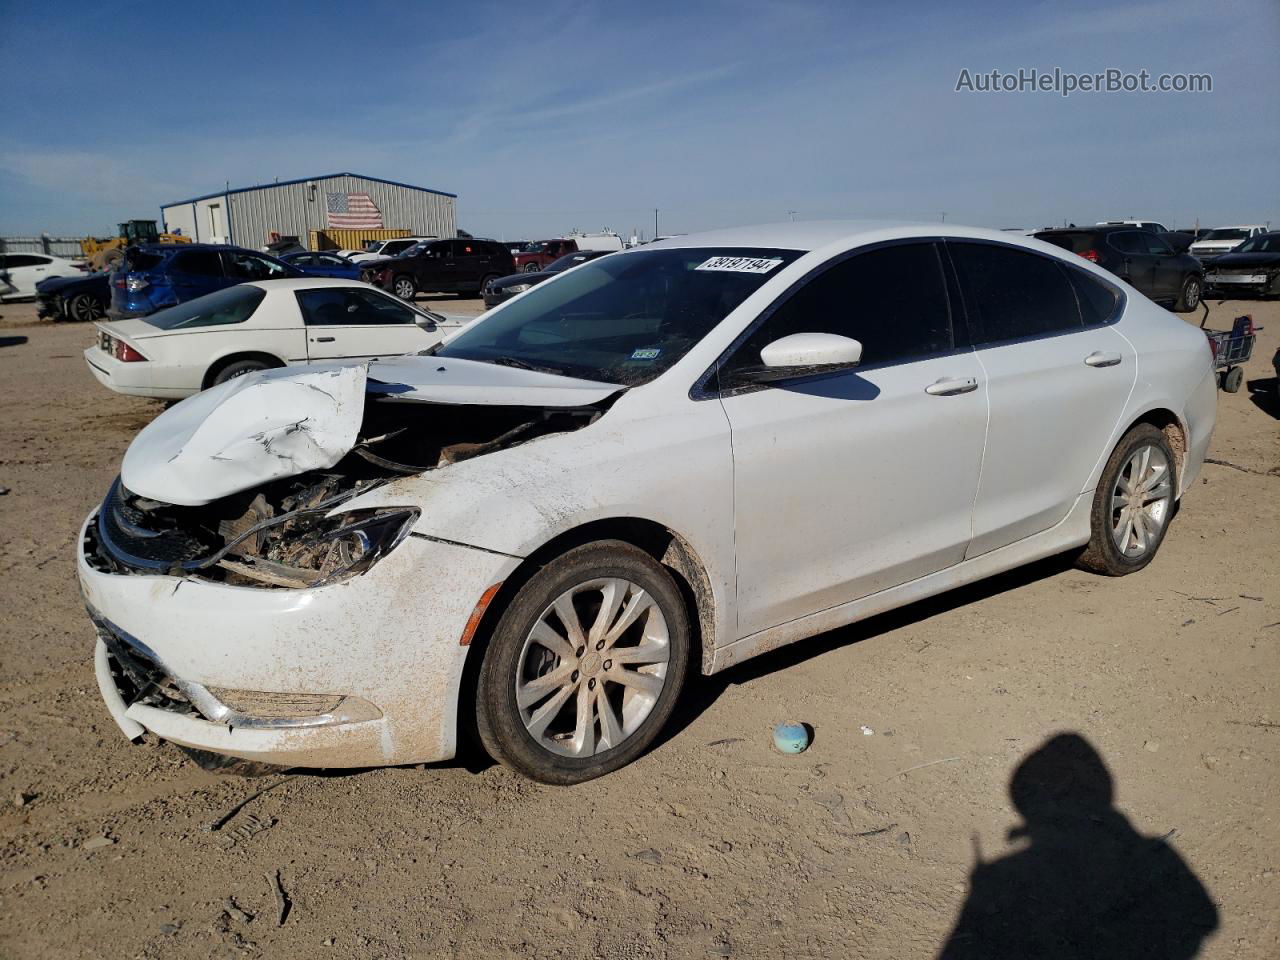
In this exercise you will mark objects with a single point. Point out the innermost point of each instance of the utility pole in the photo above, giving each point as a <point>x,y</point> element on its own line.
<point>944,216</point>
<point>655,223</point>
<point>792,215</point>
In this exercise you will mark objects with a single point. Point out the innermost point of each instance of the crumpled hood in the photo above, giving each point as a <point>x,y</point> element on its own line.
<point>280,423</point>
<point>244,432</point>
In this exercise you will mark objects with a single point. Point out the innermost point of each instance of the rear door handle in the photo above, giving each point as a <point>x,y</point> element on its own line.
<point>323,339</point>
<point>1100,359</point>
<point>951,386</point>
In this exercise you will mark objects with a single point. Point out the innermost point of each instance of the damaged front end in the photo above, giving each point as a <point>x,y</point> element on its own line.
<point>248,487</point>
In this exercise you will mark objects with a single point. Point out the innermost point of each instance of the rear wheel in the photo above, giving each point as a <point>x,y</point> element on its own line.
<point>585,666</point>
<point>404,287</point>
<point>531,268</point>
<point>238,368</point>
<point>484,285</point>
<point>85,307</point>
<point>1133,504</point>
<point>1189,296</point>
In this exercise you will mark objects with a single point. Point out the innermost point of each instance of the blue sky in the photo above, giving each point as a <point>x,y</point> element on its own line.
<point>556,115</point>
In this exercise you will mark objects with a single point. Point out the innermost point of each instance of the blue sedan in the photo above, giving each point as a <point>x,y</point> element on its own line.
<point>323,264</point>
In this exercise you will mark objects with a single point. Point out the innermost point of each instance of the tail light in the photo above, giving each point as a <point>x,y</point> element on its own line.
<point>137,283</point>
<point>1090,255</point>
<point>120,350</point>
<point>1213,348</point>
<point>126,353</point>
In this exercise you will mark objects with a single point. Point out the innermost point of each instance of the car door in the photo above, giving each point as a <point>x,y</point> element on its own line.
<point>1166,270</point>
<point>242,265</point>
<point>435,269</point>
<point>1137,265</point>
<point>193,273</point>
<point>346,323</point>
<point>1058,375</point>
<point>25,271</point>
<point>850,483</point>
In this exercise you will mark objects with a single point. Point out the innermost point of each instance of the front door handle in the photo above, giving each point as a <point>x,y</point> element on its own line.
<point>951,386</point>
<point>322,339</point>
<point>1100,359</point>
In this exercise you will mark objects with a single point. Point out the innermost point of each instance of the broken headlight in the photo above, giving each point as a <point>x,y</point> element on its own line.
<point>350,543</point>
<point>309,549</point>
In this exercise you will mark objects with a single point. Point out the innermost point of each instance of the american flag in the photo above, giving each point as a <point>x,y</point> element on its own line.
<point>356,211</point>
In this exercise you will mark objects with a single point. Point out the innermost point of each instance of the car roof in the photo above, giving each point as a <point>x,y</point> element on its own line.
<point>1098,228</point>
<point>817,234</point>
<point>299,283</point>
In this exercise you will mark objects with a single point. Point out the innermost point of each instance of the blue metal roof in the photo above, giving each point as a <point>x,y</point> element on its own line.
<point>285,183</point>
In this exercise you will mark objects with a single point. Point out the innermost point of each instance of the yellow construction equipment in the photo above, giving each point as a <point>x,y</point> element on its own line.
<point>105,252</point>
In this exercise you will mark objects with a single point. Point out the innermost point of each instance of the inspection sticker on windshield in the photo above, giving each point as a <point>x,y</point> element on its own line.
<point>646,353</point>
<point>739,264</point>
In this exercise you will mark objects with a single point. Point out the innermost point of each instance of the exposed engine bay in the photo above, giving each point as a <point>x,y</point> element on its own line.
<point>280,534</point>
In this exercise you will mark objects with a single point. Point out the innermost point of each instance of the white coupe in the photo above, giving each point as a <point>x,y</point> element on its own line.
<point>665,460</point>
<point>184,349</point>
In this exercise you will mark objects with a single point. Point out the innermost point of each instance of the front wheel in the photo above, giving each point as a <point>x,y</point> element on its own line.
<point>85,307</point>
<point>1189,295</point>
<point>531,268</point>
<point>404,288</point>
<point>1133,504</point>
<point>585,665</point>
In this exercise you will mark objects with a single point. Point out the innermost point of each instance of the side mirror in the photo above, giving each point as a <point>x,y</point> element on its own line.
<point>803,354</point>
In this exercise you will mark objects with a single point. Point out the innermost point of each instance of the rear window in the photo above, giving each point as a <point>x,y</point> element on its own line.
<point>141,260</point>
<point>1075,242</point>
<point>226,306</point>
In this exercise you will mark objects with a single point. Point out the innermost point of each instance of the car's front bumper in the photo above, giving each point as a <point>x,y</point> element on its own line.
<point>389,639</point>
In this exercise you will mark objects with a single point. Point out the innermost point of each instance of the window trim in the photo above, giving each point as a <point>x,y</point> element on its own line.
<point>707,386</point>
<point>1116,313</point>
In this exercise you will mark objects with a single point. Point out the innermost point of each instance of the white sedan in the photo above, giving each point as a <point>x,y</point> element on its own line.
<point>20,272</point>
<point>256,326</point>
<point>665,460</point>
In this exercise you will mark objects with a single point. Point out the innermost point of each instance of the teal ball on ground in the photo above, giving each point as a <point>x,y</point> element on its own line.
<point>790,737</point>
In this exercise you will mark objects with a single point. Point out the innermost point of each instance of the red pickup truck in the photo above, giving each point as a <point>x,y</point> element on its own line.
<point>539,254</point>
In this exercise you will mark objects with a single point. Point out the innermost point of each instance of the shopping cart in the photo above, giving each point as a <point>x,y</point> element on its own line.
<point>1231,348</point>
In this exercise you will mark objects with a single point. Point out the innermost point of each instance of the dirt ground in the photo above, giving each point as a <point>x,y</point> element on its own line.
<point>712,845</point>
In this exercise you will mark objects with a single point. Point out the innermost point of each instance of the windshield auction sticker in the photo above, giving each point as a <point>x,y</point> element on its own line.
<point>739,264</point>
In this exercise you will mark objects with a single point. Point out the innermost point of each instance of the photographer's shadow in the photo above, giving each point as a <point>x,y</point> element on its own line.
<point>1088,885</point>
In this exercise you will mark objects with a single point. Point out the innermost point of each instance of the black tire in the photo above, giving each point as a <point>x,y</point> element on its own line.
<point>498,720</point>
<point>531,268</point>
<point>238,368</point>
<point>404,287</point>
<point>487,279</point>
<point>1233,379</point>
<point>85,307</point>
<point>1190,295</point>
<point>1103,555</point>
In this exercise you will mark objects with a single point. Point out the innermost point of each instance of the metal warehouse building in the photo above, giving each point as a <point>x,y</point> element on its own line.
<point>254,216</point>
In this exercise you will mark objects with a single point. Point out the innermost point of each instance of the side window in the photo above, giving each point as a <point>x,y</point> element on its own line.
<point>1154,244</point>
<point>350,306</point>
<point>328,261</point>
<point>25,260</point>
<point>462,248</point>
<point>439,250</point>
<point>1127,241</point>
<point>892,300</point>
<point>203,263</point>
<point>1013,293</point>
<point>248,266</point>
<point>1097,300</point>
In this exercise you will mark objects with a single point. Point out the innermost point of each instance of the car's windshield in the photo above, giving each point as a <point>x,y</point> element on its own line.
<point>620,319</point>
<point>567,261</point>
<point>229,305</point>
<point>1267,243</point>
<point>1225,234</point>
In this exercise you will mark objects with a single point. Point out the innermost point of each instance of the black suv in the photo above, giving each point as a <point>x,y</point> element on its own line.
<point>1140,258</point>
<point>461,265</point>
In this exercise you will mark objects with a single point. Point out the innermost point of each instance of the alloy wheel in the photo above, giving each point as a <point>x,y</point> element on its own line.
<point>592,667</point>
<point>404,289</point>
<point>1141,501</point>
